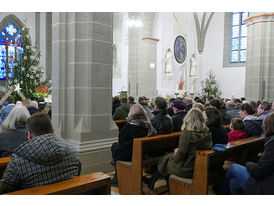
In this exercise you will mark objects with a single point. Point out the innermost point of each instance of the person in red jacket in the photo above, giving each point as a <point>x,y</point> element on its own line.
<point>237,130</point>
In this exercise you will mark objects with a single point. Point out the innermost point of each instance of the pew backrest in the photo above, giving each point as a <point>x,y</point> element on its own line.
<point>4,161</point>
<point>96,183</point>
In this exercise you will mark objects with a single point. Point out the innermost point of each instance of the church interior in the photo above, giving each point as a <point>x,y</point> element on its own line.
<point>88,58</point>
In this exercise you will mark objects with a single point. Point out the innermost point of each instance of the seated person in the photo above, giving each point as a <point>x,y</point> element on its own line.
<point>195,136</point>
<point>143,102</point>
<point>216,103</point>
<point>253,126</point>
<point>44,159</point>
<point>33,107</point>
<point>179,114</point>
<point>232,110</point>
<point>263,110</point>
<point>255,178</point>
<point>122,111</point>
<point>162,122</point>
<point>237,130</point>
<point>213,120</point>
<point>13,130</point>
<point>138,125</point>
<point>6,110</point>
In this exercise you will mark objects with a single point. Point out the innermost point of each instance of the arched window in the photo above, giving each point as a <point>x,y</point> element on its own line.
<point>10,49</point>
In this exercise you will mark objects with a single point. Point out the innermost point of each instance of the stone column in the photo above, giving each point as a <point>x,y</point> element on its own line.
<point>260,57</point>
<point>141,53</point>
<point>82,79</point>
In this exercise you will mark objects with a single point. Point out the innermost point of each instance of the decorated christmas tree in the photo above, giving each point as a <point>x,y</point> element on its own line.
<point>210,87</point>
<point>27,71</point>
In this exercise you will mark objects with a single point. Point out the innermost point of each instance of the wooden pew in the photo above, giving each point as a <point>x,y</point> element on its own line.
<point>4,161</point>
<point>202,177</point>
<point>120,123</point>
<point>96,183</point>
<point>130,174</point>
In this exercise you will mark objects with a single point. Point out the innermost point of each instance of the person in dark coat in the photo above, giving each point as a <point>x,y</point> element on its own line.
<point>195,136</point>
<point>216,103</point>
<point>138,125</point>
<point>253,126</point>
<point>41,103</point>
<point>179,111</point>
<point>169,107</point>
<point>232,111</point>
<point>131,100</point>
<point>44,159</point>
<point>122,111</point>
<point>13,130</point>
<point>213,120</point>
<point>162,122</point>
<point>255,178</point>
<point>33,107</point>
<point>115,103</point>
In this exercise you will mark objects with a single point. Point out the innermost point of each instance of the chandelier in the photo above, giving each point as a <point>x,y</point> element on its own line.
<point>134,21</point>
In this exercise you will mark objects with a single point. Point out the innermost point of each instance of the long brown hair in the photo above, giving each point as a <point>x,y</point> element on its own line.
<point>269,125</point>
<point>194,121</point>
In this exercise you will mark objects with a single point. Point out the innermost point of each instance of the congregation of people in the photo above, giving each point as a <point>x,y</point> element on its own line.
<point>201,123</point>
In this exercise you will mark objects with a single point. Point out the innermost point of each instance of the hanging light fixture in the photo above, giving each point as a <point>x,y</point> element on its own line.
<point>134,21</point>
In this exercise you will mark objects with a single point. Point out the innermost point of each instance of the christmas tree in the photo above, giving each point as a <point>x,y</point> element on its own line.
<point>27,72</point>
<point>210,87</point>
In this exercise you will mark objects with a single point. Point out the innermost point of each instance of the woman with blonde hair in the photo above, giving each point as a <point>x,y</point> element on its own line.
<point>138,125</point>
<point>195,136</point>
<point>13,130</point>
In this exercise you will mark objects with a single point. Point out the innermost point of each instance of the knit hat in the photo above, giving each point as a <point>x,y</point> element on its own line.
<point>179,104</point>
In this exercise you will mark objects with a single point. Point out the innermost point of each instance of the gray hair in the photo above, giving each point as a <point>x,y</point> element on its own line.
<point>19,114</point>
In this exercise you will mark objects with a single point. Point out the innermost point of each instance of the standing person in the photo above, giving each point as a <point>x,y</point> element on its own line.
<point>13,130</point>
<point>253,126</point>
<point>212,118</point>
<point>162,122</point>
<point>44,159</point>
<point>6,110</point>
<point>179,114</point>
<point>138,125</point>
<point>122,111</point>
<point>195,136</point>
<point>254,178</point>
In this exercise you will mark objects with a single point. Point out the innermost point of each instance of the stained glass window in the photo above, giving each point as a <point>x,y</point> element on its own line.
<point>10,48</point>
<point>238,37</point>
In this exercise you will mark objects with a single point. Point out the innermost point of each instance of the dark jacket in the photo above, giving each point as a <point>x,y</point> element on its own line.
<point>170,111</point>
<point>115,105</point>
<point>188,107</point>
<point>41,160</point>
<point>263,115</point>
<point>261,178</point>
<point>181,163</point>
<point>225,118</point>
<point>232,113</point>
<point>121,112</point>
<point>11,139</point>
<point>41,106</point>
<point>253,126</point>
<point>178,120</point>
<point>126,137</point>
<point>162,122</point>
<point>219,134</point>
<point>33,110</point>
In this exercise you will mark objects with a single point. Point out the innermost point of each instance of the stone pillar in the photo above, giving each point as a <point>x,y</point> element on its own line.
<point>260,57</point>
<point>82,80</point>
<point>141,53</point>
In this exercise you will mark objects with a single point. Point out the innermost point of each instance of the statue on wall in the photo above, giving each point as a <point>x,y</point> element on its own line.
<point>168,63</point>
<point>193,66</point>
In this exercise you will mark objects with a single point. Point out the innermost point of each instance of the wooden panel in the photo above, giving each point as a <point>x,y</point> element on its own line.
<point>4,161</point>
<point>94,183</point>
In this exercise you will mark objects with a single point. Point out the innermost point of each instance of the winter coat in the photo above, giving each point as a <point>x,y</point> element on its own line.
<point>181,163</point>
<point>219,134</point>
<point>261,178</point>
<point>162,122</point>
<point>148,111</point>
<point>126,137</point>
<point>44,159</point>
<point>11,139</point>
<point>121,112</point>
<point>178,120</point>
<point>236,135</point>
<point>6,110</point>
<point>33,110</point>
<point>232,113</point>
<point>253,126</point>
<point>225,118</point>
<point>263,115</point>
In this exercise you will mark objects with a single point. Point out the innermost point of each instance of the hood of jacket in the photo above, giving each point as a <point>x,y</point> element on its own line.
<point>45,149</point>
<point>202,139</point>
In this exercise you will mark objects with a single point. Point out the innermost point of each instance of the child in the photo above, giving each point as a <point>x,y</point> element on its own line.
<point>237,130</point>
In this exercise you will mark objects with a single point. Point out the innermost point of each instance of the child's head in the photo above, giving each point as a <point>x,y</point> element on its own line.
<point>237,124</point>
